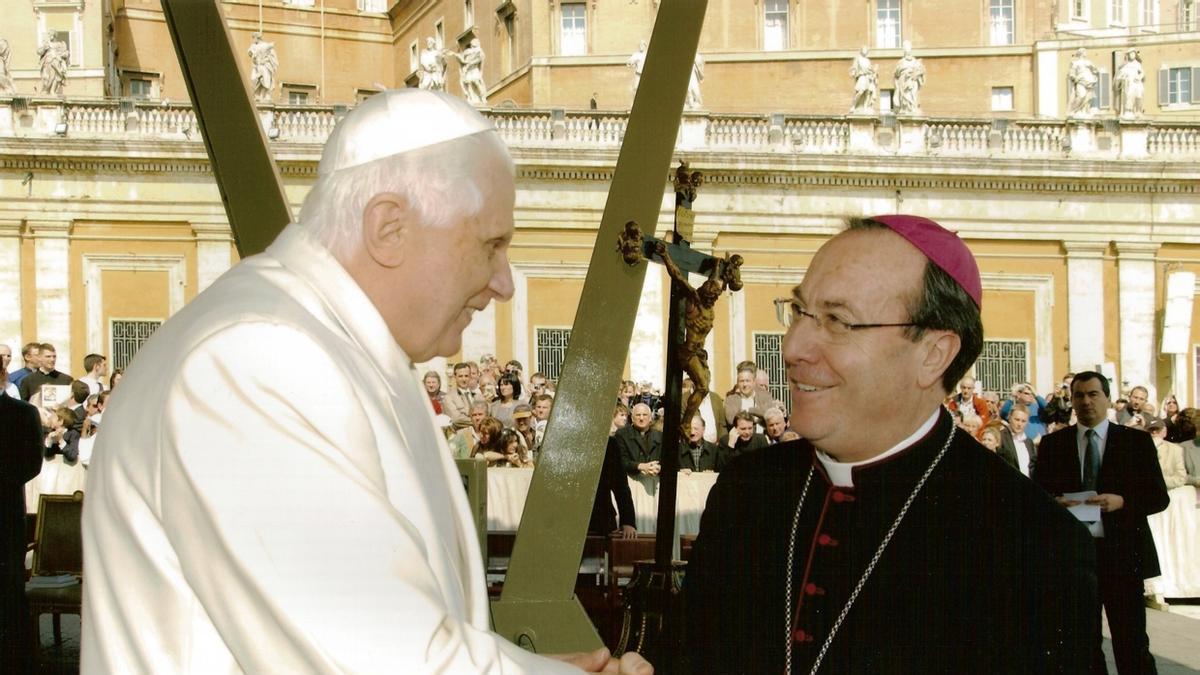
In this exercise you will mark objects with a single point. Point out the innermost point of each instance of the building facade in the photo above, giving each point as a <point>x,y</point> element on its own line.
<point>1087,230</point>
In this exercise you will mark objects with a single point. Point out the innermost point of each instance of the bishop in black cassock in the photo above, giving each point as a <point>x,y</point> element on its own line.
<point>889,541</point>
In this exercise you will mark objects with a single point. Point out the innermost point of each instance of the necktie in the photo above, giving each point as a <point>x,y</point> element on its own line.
<point>1091,458</point>
<point>470,397</point>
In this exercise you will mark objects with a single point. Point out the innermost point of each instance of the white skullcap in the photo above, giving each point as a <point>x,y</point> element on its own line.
<point>398,121</point>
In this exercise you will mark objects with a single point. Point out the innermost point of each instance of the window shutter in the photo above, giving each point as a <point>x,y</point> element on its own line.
<point>1195,85</point>
<point>1164,85</point>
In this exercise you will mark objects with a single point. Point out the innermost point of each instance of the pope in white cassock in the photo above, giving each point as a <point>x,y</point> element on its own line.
<point>244,517</point>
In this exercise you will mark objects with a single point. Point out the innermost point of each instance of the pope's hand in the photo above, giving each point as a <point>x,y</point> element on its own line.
<point>601,661</point>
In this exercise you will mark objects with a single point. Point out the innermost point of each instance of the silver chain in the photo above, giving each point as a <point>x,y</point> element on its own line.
<point>862,581</point>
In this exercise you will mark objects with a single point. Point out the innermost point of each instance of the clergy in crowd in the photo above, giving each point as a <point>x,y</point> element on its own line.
<point>895,546</point>
<point>239,519</point>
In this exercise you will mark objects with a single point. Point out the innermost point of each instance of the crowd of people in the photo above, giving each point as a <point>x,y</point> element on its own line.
<point>1014,427</point>
<point>70,408</point>
<point>492,412</point>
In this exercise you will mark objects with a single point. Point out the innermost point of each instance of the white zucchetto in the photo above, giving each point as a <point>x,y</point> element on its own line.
<point>398,121</point>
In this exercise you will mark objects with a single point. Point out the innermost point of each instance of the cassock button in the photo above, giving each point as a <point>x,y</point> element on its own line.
<point>813,589</point>
<point>839,497</point>
<point>826,540</point>
<point>800,636</point>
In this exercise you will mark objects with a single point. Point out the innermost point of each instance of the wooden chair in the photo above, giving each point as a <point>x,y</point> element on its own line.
<point>58,550</point>
<point>622,554</point>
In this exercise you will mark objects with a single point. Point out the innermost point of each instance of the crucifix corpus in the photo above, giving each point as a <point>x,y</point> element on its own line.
<point>652,613</point>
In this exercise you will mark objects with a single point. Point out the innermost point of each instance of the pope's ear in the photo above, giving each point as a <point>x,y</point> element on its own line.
<point>941,346</point>
<point>384,228</point>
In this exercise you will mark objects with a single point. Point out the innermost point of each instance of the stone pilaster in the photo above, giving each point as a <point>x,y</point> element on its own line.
<point>52,279</point>
<point>1085,303</point>
<point>214,251</point>
<point>647,348</point>
<point>519,306</point>
<point>480,337</point>
<point>912,135</point>
<point>862,132</point>
<point>10,288</point>
<point>1136,309</point>
<point>1135,139</point>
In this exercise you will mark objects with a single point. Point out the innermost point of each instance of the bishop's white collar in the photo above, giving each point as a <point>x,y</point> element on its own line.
<point>841,473</point>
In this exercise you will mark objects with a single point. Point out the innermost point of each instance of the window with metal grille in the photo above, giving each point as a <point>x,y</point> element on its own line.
<point>372,6</point>
<point>127,337</point>
<point>887,24</point>
<point>1003,19</point>
<point>775,25</point>
<point>1002,363</point>
<point>574,29</point>
<point>551,350</point>
<point>768,356</point>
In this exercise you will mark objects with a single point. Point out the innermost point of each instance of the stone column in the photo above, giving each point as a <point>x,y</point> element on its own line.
<point>647,348</point>
<point>519,306</point>
<point>1136,279</point>
<point>480,337</point>
<point>1085,303</point>
<point>214,252</point>
<point>52,280</point>
<point>10,288</point>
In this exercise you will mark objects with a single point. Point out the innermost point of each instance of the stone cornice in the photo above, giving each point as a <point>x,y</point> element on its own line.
<point>1085,250</point>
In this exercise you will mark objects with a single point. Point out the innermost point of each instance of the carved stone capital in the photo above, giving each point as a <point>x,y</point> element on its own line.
<point>1085,249</point>
<point>1137,250</point>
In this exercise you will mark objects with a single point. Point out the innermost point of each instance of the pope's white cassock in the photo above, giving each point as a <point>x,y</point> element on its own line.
<point>270,495</point>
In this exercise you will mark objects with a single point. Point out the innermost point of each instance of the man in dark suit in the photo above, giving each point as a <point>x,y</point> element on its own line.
<point>695,453</point>
<point>741,440</point>
<point>1015,447</point>
<point>639,444</point>
<point>20,461</point>
<point>1120,465</point>
<point>613,486</point>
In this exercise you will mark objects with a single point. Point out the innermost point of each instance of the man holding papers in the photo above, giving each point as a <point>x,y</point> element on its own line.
<point>1119,468</point>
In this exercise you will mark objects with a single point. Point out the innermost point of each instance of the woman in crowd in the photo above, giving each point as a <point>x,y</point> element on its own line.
<point>989,436</point>
<point>1170,415</point>
<point>515,454</point>
<point>488,448</point>
<point>433,388</point>
<point>114,378</point>
<point>627,394</point>
<point>508,395</point>
<point>620,418</point>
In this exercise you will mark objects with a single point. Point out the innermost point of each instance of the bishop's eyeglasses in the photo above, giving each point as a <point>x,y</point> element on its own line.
<point>789,311</point>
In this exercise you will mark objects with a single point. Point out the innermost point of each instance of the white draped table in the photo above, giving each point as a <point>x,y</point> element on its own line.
<point>56,478</point>
<point>508,488</point>
<point>1177,539</point>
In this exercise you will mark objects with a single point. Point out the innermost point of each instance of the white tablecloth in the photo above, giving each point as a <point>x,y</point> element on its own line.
<point>508,488</point>
<point>56,478</point>
<point>1177,538</point>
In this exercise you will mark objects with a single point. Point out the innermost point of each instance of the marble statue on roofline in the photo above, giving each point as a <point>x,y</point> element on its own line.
<point>910,77</point>
<point>1082,78</point>
<point>54,56</point>
<point>432,67</point>
<point>637,61</point>
<point>264,62</point>
<point>470,76</point>
<point>6,83</point>
<point>693,100</point>
<point>866,84</point>
<point>1129,86</point>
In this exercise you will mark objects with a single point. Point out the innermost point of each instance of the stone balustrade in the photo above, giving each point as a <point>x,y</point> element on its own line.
<point>744,133</point>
